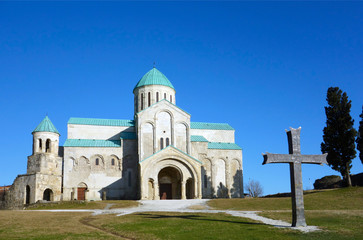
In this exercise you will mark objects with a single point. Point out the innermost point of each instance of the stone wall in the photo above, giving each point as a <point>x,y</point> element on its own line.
<point>118,181</point>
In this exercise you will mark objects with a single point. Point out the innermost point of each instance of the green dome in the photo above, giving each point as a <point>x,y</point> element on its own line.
<point>46,126</point>
<point>154,77</point>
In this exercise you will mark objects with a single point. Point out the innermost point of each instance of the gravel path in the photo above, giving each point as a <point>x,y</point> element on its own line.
<point>192,206</point>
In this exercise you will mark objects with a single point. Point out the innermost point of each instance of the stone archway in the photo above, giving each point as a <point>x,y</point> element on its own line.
<point>169,179</point>
<point>48,195</point>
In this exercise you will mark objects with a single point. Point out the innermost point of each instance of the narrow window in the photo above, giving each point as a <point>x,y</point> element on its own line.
<point>161,143</point>
<point>40,144</point>
<point>97,161</point>
<point>157,97</point>
<point>113,162</point>
<point>164,95</point>
<point>205,181</point>
<point>149,99</point>
<point>171,99</point>
<point>47,145</point>
<point>167,141</point>
<point>129,179</point>
<point>136,104</point>
<point>142,101</point>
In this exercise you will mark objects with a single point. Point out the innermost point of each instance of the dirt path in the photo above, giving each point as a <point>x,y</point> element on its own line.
<point>191,206</point>
<point>87,221</point>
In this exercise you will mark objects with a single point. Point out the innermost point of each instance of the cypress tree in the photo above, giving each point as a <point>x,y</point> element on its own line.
<point>360,137</point>
<point>339,134</point>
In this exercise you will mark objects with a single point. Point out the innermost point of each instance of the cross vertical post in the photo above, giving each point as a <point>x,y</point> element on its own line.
<point>295,159</point>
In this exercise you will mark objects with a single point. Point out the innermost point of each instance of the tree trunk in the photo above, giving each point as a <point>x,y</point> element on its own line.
<point>347,178</point>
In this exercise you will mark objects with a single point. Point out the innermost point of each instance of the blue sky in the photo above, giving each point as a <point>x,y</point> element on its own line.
<point>259,66</point>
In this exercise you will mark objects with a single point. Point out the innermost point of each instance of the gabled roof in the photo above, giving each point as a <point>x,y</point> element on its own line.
<point>154,77</point>
<point>46,126</point>
<point>212,126</point>
<point>197,138</point>
<point>221,145</point>
<point>91,143</point>
<point>102,122</point>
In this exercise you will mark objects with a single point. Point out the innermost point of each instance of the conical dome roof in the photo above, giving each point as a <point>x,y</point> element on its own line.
<point>154,77</point>
<point>46,126</point>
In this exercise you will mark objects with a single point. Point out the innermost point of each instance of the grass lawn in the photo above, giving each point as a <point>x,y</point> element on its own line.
<point>84,205</point>
<point>46,225</point>
<point>337,199</point>
<point>339,213</point>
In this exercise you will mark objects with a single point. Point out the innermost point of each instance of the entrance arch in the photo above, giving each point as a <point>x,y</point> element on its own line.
<point>169,179</point>
<point>48,195</point>
<point>81,191</point>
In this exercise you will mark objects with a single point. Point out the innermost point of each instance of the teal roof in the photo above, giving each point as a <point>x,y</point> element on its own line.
<point>128,135</point>
<point>212,126</point>
<point>91,143</point>
<point>46,126</point>
<point>154,77</point>
<point>220,145</point>
<point>102,122</point>
<point>196,138</point>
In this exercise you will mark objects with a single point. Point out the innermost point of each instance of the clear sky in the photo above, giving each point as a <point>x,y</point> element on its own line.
<point>261,67</point>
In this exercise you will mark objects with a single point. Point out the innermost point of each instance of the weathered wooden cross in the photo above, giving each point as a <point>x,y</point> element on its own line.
<point>295,159</point>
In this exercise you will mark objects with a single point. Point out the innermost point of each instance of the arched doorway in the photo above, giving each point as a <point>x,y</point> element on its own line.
<point>81,191</point>
<point>27,194</point>
<point>48,195</point>
<point>169,179</point>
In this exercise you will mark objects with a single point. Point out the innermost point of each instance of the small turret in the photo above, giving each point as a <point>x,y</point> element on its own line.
<point>45,138</point>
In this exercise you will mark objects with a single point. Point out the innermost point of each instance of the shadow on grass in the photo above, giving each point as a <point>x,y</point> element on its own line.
<point>193,217</point>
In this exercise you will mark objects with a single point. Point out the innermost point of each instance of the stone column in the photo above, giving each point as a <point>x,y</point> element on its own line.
<point>86,195</point>
<point>35,145</point>
<point>156,191</point>
<point>44,144</point>
<point>183,190</point>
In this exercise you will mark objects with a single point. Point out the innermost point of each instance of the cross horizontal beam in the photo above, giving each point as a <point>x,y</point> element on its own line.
<point>290,158</point>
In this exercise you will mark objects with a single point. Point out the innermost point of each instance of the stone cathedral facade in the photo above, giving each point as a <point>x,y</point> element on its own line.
<point>160,154</point>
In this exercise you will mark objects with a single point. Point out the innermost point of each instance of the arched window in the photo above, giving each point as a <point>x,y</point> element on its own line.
<point>167,142</point>
<point>161,143</point>
<point>164,95</point>
<point>113,162</point>
<point>157,97</point>
<point>47,145</point>
<point>136,103</point>
<point>142,101</point>
<point>97,161</point>
<point>40,144</point>
<point>149,99</point>
<point>171,98</point>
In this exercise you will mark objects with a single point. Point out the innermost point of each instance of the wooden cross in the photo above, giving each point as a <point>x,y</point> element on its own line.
<point>295,159</point>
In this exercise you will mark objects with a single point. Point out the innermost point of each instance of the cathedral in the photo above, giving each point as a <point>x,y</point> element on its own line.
<point>160,154</point>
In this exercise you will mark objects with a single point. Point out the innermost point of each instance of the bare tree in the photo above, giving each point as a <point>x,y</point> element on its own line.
<point>254,188</point>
